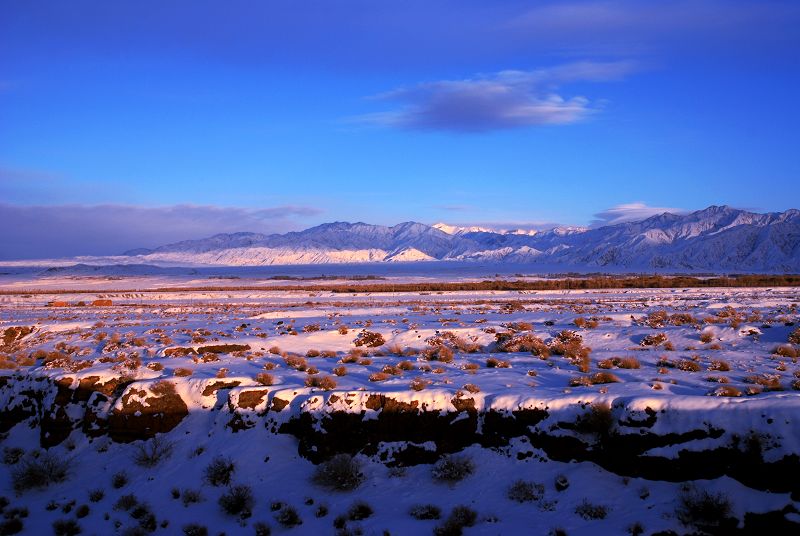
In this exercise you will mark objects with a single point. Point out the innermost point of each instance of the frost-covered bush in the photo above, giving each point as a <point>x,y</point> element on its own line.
<point>219,471</point>
<point>66,527</point>
<point>119,479</point>
<point>522,491</point>
<point>453,468</point>
<point>460,517</point>
<point>359,511</point>
<point>425,511</point>
<point>39,472</point>
<point>238,501</point>
<point>340,473</point>
<point>370,339</point>
<point>588,510</point>
<point>702,509</point>
<point>151,453</point>
<point>193,529</point>
<point>288,517</point>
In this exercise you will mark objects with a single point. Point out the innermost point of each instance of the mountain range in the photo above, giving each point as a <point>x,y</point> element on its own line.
<point>718,238</point>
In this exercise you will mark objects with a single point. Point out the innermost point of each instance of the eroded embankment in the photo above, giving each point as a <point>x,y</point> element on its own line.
<point>672,438</point>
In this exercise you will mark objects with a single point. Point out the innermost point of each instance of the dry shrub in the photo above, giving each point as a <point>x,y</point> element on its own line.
<point>586,324</point>
<point>327,353</point>
<point>151,453</point>
<point>493,362</point>
<point>522,491</point>
<point>379,377</point>
<point>439,353</point>
<point>296,362</point>
<point>587,510</point>
<point>391,369</point>
<point>340,370</point>
<point>265,379</point>
<point>340,473</point>
<point>681,319</point>
<point>425,511</point>
<point>703,510</point>
<point>726,390</point>
<point>370,339</point>
<point>275,350</point>
<point>395,349</point>
<point>325,383</point>
<point>353,355</point>
<point>163,388</point>
<point>595,379</point>
<point>717,379</point>
<point>312,353</point>
<point>786,350</point>
<point>418,384</point>
<point>720,365</point>
<point>706,337</point>
<point>526,342</point>
<point>460,517</point>
<point>405,365</point>
<point>770,382</point>
<point>688,365</point>
<point>472,368</point>
<point>310,328</point>
<point>629,363</point>
<point>715,346</point>
<point>794,336</point>
<point>472,388</point>
<point>183,372</point>
<point>39,472</point>
<point>607,363</point>
<point>453,468</point>
<point>342,330</point>
<point>654,339</point>
<point>269,365</point>
<point>583,363</point>
<point>312,370</point>
<point>219,471</point>
<point>238,501</point>
<point>156,366</point>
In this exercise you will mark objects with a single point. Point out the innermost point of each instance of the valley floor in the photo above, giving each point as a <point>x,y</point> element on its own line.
<point>584,412</point>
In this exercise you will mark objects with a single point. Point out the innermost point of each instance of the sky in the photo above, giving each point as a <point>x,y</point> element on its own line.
<point>137,123</point>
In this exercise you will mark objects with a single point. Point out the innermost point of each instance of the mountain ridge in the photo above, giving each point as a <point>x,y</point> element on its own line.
<point>718,237</point>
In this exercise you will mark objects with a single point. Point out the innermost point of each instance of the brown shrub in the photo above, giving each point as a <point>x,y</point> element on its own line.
<point>472,368</point>
<point>794,336</point>
<point>310,328</point>
<point>296,362</point>
<point>472,388</point>
<point>493,362</point>
<point>706,337</point>
<point>405,365</point>
<point>265,378</point>
<point>720,365</point>
<point>312,370</point>
<point>525,342</point>
<point>321,382</point>
<point>439,353</point>
<point>327,353</point>
<point>786,350</point>
<point>688,365</point>
<point>770,382</point>
<point>418,384</point>
<point>379,377</point>
<point>365,362</point>
<point>312,353</point>
<point>343,330</point>
<point>269,365</point>
<point>341,370</point>
<point>370,339</point>
<point>726,390</point>
<point>275,350</point>
<point>629,363</point>
<point>654,339</point>
<point>183,372</point>
<point>156,366</point>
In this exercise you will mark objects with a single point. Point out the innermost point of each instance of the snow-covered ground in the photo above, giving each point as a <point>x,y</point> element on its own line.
<point>264,377</point>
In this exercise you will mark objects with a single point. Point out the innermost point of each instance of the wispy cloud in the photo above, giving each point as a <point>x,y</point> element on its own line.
<point>501,100</point>
<point>629,212</point>
<point>69,230</point>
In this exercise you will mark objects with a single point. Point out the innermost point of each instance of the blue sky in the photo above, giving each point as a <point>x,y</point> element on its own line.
<point>159,121</point>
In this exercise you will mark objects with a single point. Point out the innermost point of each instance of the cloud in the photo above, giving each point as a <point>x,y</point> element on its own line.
<point>629,212</point>
<point>68,230</point>
<point>501,100</point>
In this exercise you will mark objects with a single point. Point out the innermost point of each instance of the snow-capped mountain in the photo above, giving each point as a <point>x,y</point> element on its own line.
<point>716,238</point>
